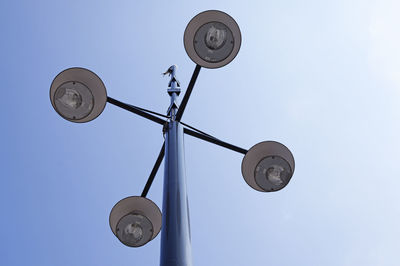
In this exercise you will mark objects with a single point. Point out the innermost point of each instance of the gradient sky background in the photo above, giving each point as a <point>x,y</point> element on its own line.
<point>322,77</point>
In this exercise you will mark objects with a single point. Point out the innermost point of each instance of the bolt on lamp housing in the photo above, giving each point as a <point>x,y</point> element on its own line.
<point>78,95</point>
<point>268,166</point>
<point>212,39</point>
<point>135,221</point>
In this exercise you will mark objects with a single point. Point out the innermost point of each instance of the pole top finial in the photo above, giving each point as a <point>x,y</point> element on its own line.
<point>173,85</point>
<point>171,70</point>
<point>174,89</point>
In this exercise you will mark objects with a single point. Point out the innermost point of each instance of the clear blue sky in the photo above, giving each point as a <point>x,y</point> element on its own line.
<point>322,77</point>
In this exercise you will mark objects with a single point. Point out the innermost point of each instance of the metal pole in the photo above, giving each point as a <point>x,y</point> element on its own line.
<point>175,234</point>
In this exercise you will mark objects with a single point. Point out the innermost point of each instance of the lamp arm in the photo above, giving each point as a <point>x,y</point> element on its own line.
<point>187,93</point>
<point>137,110</point>
<point>214,140</point>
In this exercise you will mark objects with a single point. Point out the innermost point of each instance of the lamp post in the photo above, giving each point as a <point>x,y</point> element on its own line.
<point>175,236</point>
<point>212,39</point>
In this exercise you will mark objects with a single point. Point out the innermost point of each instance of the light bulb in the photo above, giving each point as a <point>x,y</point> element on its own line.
<point>215,38</point>
<point>213,42</point>
<point>70,98</point>
<point>73,100</point>
<point>134,230</point>
<point>274,174</point>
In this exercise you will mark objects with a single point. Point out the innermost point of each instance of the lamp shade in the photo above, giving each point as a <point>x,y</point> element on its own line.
<point>78,95</point>
<point>212,39</point>
<point>268,166</point>
<point>135,221</point>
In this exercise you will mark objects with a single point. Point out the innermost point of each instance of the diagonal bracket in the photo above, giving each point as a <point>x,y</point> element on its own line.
<point>187,93</point>
<point>136,110</point>
<point>213,140</point>
<point>154,171</point>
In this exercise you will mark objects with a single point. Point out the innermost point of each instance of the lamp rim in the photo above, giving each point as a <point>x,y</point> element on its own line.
<point>135,213</point>
<point>206,17</point>
<point>143,206</point>
<point>91,81</point>
<point>260,151</point>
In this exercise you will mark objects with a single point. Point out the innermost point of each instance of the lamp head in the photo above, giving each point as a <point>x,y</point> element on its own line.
<point>78,95</point>
<point>268,166</point>
<point>212,39</point>
<point>135,221</point>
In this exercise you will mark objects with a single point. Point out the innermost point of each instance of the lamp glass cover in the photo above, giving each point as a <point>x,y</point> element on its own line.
<point>134,230</point>
<point>73,100</point>
<point>272,173</point>
<point>213,42</point>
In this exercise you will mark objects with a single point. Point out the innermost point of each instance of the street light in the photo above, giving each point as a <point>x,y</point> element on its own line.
<point>212,39</point>
<point>135,221</point>
<point>78,95</point>
<point>268,166</point>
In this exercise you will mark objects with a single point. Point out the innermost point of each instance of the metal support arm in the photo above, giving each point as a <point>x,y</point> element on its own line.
<point>154,171</point>
<point>214,140</point>
<point>187,93</point>
<point>136,110</point>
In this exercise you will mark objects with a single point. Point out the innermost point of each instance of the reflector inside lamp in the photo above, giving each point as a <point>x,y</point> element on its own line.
<point>213,42</point>
<point>134,230</point>
<point>73,100</point>
<point>272,173</point>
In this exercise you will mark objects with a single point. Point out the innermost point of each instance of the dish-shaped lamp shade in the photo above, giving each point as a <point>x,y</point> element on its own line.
<point>268,166</point>
<point>78,95</point>
<point>212,39</point>
<point>135,221</point>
